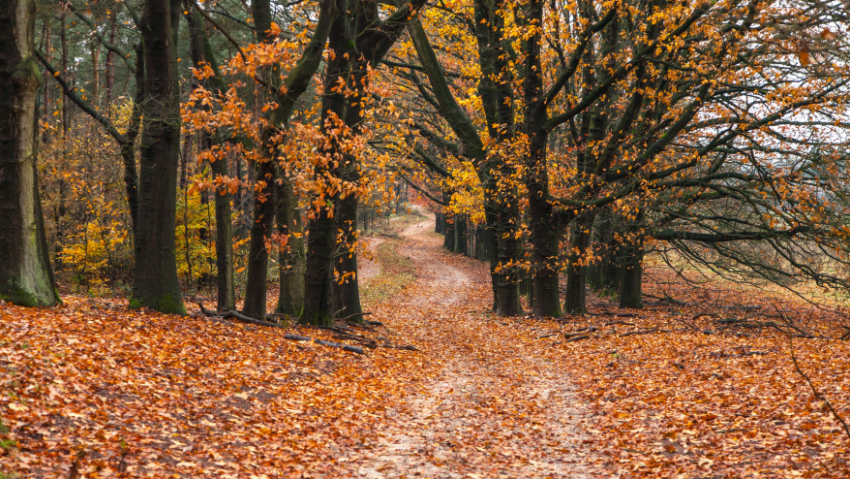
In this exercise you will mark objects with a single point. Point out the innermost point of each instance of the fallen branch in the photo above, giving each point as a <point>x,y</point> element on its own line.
<point>353,315</point>
<point>740,307</point>
<point>577,338</point>
<point>687,324</point>
<point>645,331</point>
<point>616,315</point>
<point>407,348</point>
<point>666,299</point>
<point>245,319</point>
<point>624,323</point>
<point>344,347</point>
<point>846,335</point>
<point>207,311</point>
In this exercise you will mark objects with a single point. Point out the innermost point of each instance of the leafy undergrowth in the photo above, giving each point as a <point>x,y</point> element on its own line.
<point>709,388</point>
<point>397,272</point>
<point>92,386</point>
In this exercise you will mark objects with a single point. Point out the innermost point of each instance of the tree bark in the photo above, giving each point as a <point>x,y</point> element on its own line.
<point>449,239</point>
<point>155,282</point>
<point>321,240</point>
<point>26,277</point>
<point>604,276</point>
<point>460,234</point>
<point>201,51</point>
<point>574,303</point>
<point>631,282</point>
<point>285,93</point>
<point>256,284</point>
<point>544,229</point>
<point>292,258</point>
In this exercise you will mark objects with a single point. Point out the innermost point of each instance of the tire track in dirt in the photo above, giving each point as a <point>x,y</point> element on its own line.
<point>494,409</point>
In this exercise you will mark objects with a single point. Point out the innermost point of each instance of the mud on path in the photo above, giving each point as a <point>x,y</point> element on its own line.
<point>494,406</point>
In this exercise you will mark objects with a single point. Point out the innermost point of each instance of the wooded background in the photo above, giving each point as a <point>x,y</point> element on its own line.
<point>166,148</point>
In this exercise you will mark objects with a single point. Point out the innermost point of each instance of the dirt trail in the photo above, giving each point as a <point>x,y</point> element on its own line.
<point>368,267</point>
<point>495,409</point>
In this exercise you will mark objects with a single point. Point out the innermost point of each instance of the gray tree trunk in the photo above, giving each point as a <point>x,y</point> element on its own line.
<point>292,259</point>
<point>155,279</point>
<point>26,277</point>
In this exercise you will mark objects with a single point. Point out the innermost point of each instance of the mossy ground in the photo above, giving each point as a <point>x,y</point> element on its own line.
<point>397,272</point>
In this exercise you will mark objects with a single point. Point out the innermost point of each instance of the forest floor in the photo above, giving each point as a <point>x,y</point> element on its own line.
<point>703,386</point>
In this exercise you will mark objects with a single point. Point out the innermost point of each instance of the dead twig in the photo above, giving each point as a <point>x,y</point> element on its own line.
<point>645,331</point>
<point>353,315</point>
<point>344,347</point>
<point>624,323</point>
<point>687,324</point>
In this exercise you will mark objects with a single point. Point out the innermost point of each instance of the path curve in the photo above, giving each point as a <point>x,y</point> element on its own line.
<point>494,410</point>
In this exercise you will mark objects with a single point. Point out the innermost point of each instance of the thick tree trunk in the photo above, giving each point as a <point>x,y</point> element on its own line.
<point>544,233</point>
<point>155,280</point>
<point>449,239</point>
<point>631,282</point>
<point>292,259</point>
<point>544,226</point>
<point>321,240</point>
<point>631,292</point>
<point>256,285</point>
<point>460,234</point>
<point>574,302</point>
<point>604,275</point>
<point>504,251</point>
<point>439,222</point>
<point>26,277</point>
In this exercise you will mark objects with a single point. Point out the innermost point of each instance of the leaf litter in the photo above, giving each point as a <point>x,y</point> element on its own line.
<point>688,390</point>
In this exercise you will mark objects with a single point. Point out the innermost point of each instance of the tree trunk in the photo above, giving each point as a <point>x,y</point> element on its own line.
<point>631,282</point>
<point>256,285</point>
<point>155,282</point>
<point>460,234</point>
<point>346,289</point>
<point>631,292</point>
<point>449,239</point>
<point>544,233</point>
<point>606,272</point>
<point>110,60</point>
<point>202,53</point>
<point>226,300</point>
<point>505,251</point>
<point>26,277</point>
<point>481,252</point>
<point>574,302</point>
<point>292,260</point>
<point>321,240</point>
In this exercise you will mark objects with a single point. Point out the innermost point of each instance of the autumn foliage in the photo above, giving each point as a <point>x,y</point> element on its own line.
<point>463,238</point>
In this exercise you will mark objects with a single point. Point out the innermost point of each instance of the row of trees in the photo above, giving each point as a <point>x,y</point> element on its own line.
<point>577,136</point>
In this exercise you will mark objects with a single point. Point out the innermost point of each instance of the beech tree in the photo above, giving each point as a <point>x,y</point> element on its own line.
<point>155,283</point>
<point>26,276</point>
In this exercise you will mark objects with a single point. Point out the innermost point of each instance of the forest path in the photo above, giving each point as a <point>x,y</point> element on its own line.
<point>494,408</point>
